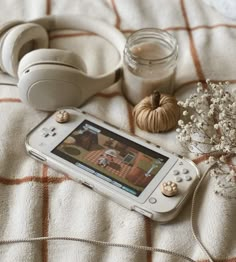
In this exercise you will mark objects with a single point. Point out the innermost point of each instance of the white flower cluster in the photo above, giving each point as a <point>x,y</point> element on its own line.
<point>208,127</point>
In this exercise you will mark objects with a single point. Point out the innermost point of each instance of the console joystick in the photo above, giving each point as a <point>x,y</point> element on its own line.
<point>169,188</point>
<point>62,116</point>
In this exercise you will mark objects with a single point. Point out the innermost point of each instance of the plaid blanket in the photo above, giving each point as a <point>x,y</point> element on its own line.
<point>38,201</point>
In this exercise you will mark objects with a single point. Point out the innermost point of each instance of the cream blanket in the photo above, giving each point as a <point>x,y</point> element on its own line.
<point>38,201</point>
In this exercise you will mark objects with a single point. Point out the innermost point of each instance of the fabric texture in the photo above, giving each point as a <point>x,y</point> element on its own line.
<point>227,8</point>
<point>39,201</point>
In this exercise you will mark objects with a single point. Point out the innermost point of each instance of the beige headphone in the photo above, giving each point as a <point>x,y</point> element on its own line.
<point>51,78</point>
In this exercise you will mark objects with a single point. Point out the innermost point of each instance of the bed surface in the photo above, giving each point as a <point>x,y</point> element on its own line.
<point>37,201</point>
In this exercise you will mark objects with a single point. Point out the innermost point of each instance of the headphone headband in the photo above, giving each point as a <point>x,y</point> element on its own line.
<point>108,32</point>
<point>62,22</point>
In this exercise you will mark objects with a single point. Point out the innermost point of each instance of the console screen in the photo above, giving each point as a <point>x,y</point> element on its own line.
<point>111,157</point>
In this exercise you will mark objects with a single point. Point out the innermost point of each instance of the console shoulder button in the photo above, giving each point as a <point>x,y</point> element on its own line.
<point>142,211</point>
<point>38,157</point>
<point>87,184</point>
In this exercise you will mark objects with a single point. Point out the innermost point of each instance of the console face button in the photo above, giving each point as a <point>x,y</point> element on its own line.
<point>152,200</point>
<point>178,179</point>
<point>188,178</point>
<point>185,171</point>
<point>169,188</point>
<point>176,172</point>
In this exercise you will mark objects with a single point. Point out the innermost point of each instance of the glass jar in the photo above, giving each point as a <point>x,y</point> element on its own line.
<point>150,59</point>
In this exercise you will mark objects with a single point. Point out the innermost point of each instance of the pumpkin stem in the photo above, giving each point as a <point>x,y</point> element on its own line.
<point>155,99</point>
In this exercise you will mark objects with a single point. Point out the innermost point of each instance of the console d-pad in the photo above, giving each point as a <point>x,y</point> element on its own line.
<point>48,131</point>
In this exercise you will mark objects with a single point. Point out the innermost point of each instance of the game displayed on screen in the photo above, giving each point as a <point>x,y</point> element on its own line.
<point>111,157</point>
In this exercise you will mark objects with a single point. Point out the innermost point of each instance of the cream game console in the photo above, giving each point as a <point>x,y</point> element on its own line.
<point>125,168</point>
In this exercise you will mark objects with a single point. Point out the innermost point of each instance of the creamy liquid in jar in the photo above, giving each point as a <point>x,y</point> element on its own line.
<point>148,65</point>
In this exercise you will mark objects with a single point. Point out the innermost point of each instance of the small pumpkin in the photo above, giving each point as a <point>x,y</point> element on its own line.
<point>157,113</point>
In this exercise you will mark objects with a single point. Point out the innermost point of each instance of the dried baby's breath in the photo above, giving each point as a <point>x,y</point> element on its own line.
<point>208,127</point>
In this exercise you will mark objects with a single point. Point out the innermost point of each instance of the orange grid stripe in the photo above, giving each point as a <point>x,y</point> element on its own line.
<point>118,21</point>
<point>212,26</point>
<point>184,28</point>
<point>26,179</point>
<point>131,118</point>
<point>148,231</point>
<point>129,31</point>
<point>220,260</point>
<point>10,100</point>
<point>193,50</point>
<point>48,7</point>
<point>45,214</point>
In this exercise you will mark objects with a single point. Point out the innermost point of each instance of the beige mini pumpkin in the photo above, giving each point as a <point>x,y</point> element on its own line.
<point>157,113</point>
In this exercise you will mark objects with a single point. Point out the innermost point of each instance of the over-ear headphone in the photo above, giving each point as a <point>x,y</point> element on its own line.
<point>51,78</point>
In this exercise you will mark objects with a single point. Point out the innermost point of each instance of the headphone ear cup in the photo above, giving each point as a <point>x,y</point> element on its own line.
<point>51,78</point>
<point>4,29</point>
<point>51,56</point>
<point>18,41</point>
